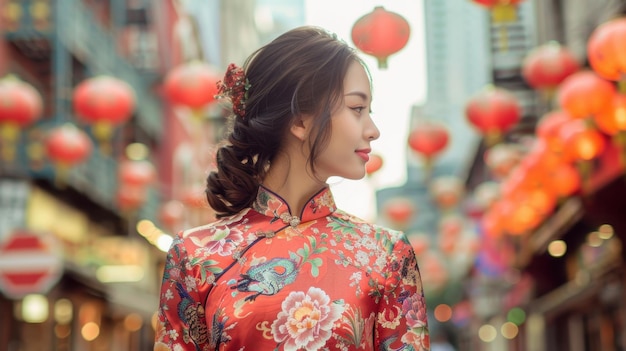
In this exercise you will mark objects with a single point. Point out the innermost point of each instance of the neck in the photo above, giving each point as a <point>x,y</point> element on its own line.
<point>289,178</point>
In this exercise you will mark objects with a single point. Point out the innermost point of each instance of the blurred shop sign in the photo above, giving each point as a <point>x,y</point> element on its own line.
<point>29,263</point>
<point>13,198</point>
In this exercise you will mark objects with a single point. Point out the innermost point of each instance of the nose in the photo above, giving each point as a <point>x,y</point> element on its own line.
<point>371,130</point>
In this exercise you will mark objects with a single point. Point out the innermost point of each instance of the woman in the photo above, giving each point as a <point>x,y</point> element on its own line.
<point>282,268</point>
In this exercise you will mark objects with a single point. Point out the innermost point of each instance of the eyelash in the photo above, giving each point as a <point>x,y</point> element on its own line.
<point>360,109</point>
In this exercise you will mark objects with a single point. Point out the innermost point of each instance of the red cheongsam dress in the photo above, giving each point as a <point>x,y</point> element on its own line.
<point>264,279</point>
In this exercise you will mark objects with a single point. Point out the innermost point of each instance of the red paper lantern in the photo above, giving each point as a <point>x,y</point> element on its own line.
<point>420,243</point>
<point>428,139</point>
<point>538,162</point>
<point>20,103</point>
<point>493,112</point>
<point>381,33</point>
<point>584,94</point>
<point>501,159</point>
<point>171,213</point>
<point>517,180</point>
<point>606,50</point>
<point>541,199</point>
<point>565,180</point>
<point>192,84</point>
<point>546,66</point>
<point>451,226</point>
<point>485,195</point>
<point>104,99</point>
<point>130,198</point>
<point>447,191</point>
<point>492,222</point>
<point>549,127</point>
<point>20,106</point>
<point>67,145</point>
<point>104,102</point>
<point>434,271</point>
<point>374,164</point>
<point>136,172</point>
<point>580,142</point>
<point>447,245</point>
<point>195,197</point>
<point>519,217</point>
<point>399,211</point>
<point>612,120</point>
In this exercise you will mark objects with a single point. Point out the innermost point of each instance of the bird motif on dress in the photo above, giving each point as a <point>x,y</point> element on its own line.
<point>191,313</point>
<point>267,278</point>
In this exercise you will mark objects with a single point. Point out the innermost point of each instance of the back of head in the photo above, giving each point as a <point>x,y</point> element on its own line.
<point>299,73</point>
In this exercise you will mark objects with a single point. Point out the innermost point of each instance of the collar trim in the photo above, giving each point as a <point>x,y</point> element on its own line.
<point>272,205</point>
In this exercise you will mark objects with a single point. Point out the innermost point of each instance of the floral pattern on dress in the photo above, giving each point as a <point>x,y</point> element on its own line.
<point>414,308</point>
<point>306,320</point>
<point>265,279</point>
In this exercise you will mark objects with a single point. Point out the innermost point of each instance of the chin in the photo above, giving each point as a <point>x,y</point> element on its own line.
<point>355,176</point>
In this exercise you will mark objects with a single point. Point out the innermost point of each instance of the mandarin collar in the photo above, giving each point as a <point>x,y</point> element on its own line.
<point>272,205</point>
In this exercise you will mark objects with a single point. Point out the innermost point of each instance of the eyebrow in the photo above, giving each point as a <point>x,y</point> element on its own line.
<point>358,93</point>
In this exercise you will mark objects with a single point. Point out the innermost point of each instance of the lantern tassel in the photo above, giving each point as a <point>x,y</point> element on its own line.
<point>621,85</point>
<point>548,95</point>
<point>492,138</point>
<point>103,131</point>
<point>504,13</point>
<point>501,15</point>
<point>619,140</point>
<point>197,115</point>
<point>61,175</point>
<point>9,133</point>
<point>584,168</point>
<point>382,63</point>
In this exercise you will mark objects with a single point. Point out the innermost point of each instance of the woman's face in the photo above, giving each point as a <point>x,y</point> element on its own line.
<point>352,129</point>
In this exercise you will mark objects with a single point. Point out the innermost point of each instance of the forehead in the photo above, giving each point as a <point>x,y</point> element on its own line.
<point>356,81</point>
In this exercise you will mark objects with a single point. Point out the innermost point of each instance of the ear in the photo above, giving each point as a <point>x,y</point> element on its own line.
<point>301,127</point>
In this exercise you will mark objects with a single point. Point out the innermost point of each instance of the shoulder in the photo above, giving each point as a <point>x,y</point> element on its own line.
<point>369,228</point>
<point>210,228</point>
<point>213,242</point>
<point>388,238</point>
<point>209,237</point>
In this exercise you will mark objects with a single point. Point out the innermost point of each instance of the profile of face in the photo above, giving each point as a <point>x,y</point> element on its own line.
<point>351,129</point>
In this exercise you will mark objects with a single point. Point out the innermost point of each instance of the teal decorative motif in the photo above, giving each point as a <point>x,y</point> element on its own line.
<point>267,278</point>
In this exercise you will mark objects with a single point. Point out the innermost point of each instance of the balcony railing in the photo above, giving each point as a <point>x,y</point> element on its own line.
<point>77,30</point>
<point>96,178</point>
<point>74,31</point>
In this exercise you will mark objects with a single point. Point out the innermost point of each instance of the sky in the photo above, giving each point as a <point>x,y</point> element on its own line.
<point>395,91</point>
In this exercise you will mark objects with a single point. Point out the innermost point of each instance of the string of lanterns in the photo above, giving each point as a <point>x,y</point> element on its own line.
<point>381,33</point>
<point>586,122</point>
<point>20,107</point>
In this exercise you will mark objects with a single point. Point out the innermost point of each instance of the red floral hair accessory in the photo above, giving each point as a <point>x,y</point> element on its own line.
<point>235,86</point>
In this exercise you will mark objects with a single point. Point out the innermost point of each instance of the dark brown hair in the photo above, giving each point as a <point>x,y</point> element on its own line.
<point>299,73</point>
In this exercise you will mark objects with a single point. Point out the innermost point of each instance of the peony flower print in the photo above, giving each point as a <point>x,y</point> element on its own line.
<point>420,339</point>
<point>306,320</point>
<point>414,309</point>
<point>223,241</point>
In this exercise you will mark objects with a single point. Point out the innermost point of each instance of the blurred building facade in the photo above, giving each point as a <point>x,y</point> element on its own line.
<point>100,288</point>
<point>572,300</point>
<point>458,64</point>
<point>516,293</point>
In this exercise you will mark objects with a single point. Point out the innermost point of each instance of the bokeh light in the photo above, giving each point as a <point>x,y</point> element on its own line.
<point>487,333</point>
<point>516,315</point>
<point>443,312</point>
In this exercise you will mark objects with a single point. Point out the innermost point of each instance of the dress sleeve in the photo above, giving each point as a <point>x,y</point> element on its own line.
<point>181,319</point>
<point>402,316</point>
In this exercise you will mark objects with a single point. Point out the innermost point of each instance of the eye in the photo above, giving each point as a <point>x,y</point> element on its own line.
<point>358,109</point>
